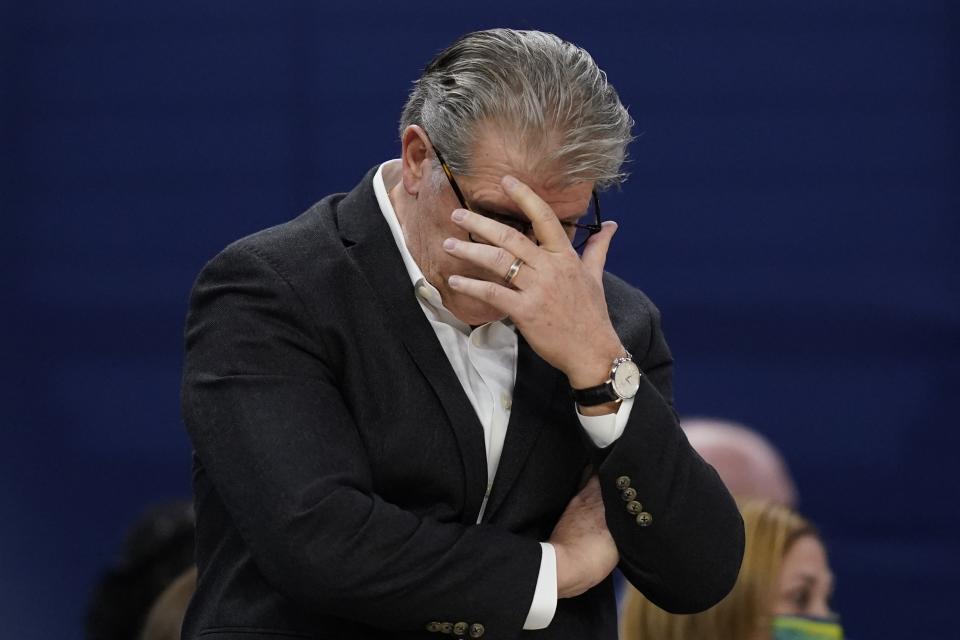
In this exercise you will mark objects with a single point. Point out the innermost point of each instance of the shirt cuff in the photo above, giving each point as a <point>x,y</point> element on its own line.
<point>544,603</point>
<point>604,430</point>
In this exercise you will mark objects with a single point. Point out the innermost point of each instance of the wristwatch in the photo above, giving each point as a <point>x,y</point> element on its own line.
<point>623,383</point>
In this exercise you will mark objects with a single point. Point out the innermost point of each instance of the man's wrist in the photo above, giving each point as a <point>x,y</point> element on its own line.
<point>595,370</point>
<point>599,409</point>
<point>563,570</point>
<point>570,582</point>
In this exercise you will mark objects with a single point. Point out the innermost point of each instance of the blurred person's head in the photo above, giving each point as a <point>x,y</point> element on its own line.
<point>157,548</point>
<point>747,463</point>
<point>782,593</point>
<point>166,614</point>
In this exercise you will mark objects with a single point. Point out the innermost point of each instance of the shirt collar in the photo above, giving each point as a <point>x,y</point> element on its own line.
<point>389,171</point>
<point>386,177</point>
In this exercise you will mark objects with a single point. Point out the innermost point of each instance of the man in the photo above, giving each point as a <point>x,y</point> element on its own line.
<point>381,392</point>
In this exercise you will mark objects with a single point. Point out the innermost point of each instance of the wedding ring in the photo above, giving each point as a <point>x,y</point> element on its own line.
<point>513,271</point>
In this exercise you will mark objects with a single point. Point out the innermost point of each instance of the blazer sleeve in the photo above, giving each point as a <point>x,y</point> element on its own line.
<point>270,427</point>
<point>682,545</point>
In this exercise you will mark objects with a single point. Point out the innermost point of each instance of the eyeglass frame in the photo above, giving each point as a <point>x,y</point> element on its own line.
<point>522,226</point>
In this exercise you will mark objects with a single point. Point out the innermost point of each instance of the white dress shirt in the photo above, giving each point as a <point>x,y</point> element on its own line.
<point>485,361</point>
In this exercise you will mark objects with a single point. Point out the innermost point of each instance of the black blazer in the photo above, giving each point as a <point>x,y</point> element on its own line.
<point>339,467</point>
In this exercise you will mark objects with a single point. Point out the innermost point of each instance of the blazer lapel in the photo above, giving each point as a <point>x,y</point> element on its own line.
<point>537,384</point>
<point>368,239</point>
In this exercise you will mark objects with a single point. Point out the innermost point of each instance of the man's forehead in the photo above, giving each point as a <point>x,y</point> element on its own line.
<point>486,195</point>
<point>498,152</point>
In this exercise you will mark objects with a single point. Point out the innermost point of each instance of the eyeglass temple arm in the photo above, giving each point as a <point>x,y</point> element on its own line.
<point>449,174</point>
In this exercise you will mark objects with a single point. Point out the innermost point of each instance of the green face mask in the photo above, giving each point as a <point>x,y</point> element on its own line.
<point>806,628</point>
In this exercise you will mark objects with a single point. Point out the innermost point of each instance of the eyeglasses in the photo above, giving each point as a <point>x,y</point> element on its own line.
<point>577,232</point>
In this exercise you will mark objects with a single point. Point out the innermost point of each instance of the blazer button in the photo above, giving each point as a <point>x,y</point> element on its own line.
<point>446,627</point>
<point>460,629</point>
<point>629,494</point>
<point>476,630</point>
<point>644,519</point>
<point>634,507</point>
<point>433,627</point>
<point>623,482</point>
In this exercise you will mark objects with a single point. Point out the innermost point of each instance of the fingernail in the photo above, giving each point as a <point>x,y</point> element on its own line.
<point>509,182</point>
<point>449,244</point>
<point>459,214</point>
<point>454,281</point>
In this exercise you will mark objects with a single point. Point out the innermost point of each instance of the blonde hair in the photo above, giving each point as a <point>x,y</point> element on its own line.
<point>745,614</point>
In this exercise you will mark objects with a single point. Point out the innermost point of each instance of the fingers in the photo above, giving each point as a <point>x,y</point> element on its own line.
<point>497,234</point>
<point>496,260</point>
<point>497,296</point>
<point>587,505</point>
<point>546,226</point>
<point>595,252</point>
<point>591,488</point>
<point>592,498</point>
<point>586,552</point>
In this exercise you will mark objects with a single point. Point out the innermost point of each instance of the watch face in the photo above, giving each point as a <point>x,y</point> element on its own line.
<point>626,379</point>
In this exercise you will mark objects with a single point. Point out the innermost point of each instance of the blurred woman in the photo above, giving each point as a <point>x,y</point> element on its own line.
<point>782,593</point>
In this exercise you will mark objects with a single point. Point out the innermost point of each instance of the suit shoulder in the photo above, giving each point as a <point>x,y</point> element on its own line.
<point>304,237</point>
<point>634,316</point>
<point>626,301</point>
<point>311,238</point>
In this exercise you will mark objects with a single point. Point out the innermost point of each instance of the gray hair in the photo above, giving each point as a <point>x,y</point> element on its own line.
<point>534,87</point>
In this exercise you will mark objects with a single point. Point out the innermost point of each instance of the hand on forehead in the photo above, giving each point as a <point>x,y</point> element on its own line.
<point>493,159</point>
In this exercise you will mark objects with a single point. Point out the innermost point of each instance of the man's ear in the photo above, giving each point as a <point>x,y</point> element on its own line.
<point>415,159</point>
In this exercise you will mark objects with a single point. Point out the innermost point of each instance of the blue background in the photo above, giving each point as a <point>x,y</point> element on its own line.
<point>793,210</point>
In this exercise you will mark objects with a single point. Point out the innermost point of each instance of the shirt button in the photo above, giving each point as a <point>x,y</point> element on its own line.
<point>644,519</point>
<point>476,630</point>
<point>623,482</point>
<point>506,401</point>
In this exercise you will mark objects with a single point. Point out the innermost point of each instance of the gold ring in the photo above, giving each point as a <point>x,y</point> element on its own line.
<point>512,271</point>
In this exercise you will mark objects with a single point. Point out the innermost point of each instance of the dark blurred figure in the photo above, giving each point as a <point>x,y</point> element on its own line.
<point>166,614</point>
<point>157,549</point>
<point>748,463</point>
